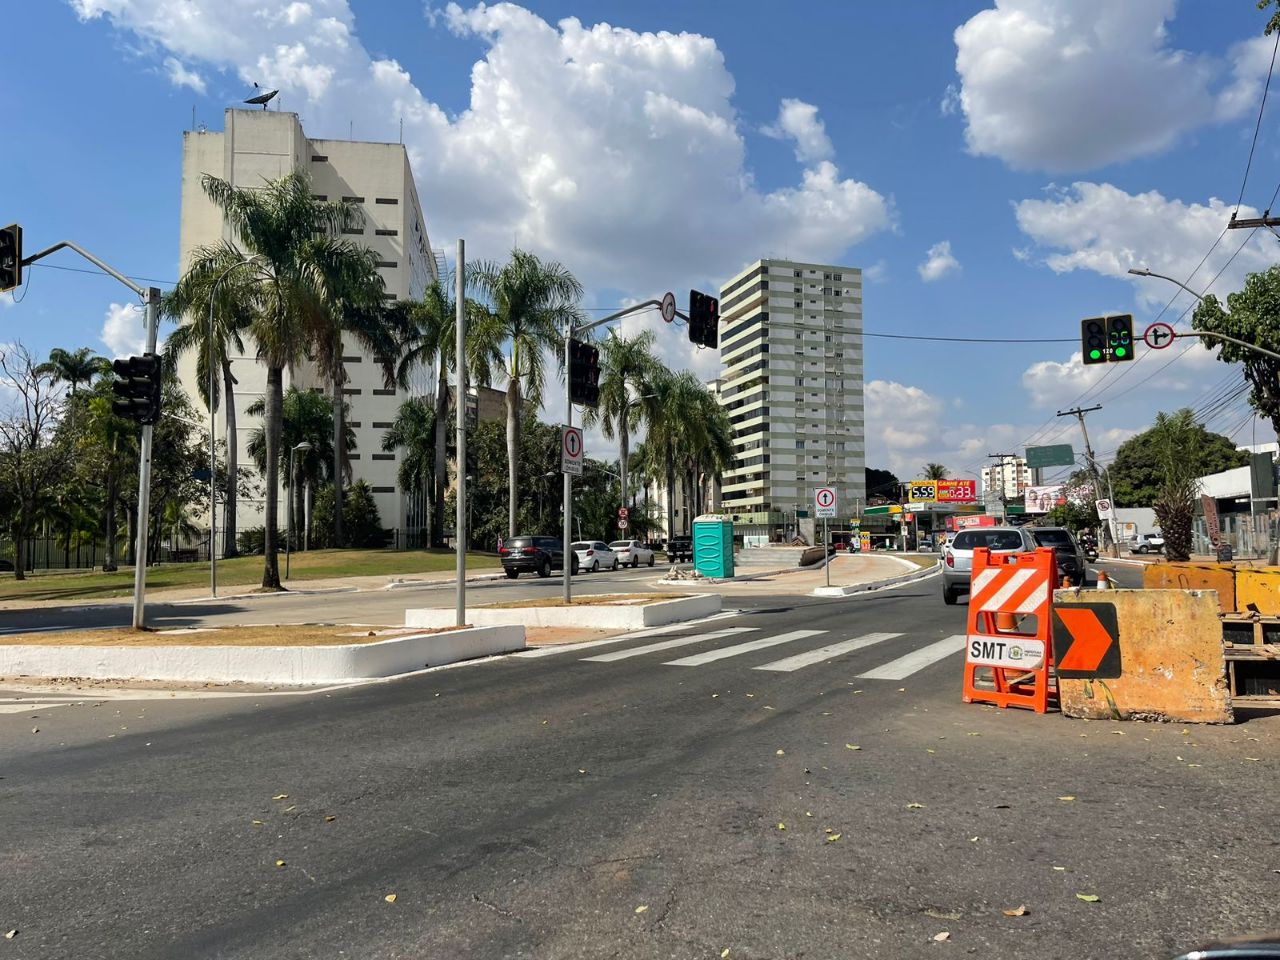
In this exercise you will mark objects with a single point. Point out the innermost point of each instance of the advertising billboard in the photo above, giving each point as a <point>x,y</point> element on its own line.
<point>1044,499</point>
<point>957,491</point>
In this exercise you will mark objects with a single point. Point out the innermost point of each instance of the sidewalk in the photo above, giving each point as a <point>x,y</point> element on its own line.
<point>846,571</point>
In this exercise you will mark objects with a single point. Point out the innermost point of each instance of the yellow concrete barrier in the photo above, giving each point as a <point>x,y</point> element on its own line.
<point>1258,591</point>
<point>1220,577</point>
<point>1169,666</point>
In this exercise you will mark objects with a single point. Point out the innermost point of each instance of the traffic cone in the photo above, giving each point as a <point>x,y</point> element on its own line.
<point>1104,582</point>
<point>1006,622</point>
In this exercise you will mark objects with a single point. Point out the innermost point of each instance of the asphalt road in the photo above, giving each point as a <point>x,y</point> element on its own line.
<point>553,806</point>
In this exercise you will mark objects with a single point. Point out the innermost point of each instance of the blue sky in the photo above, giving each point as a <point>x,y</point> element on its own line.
<point>995,166</point>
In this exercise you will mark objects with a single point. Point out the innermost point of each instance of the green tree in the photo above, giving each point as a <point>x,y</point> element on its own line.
<point>363,527</point>
<point>1137,473</point>
<point>301,282</point>
<point>627,368</point>
<point>1273,24</point>
<point>75,367</point>
<point>1254,317</point>
<point>531,303</point>
<point>934,471</point>
<point>428,331</point>
<point>675,402</point>
<point>414,433</point>
<point>882,483</point>
<point>233,302</point>
<point>1176,441</point>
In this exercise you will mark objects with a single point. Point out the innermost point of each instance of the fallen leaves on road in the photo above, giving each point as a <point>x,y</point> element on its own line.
<point>390,898</point>
<point>781,825</point>
<point>1088,897</point>
<point>256,823</point>
<point>11,934</point>
<point>641,909</point>
<point>930,750</point>
<point>1060,869</point>
<point>781,753</point>
<point>291,808</point>
<point>330,818</point>
<point>915,806</point>
<point>942,937</point>
<point>852,746</point>
<point>1254,759</point>
<point>279,863</point>
<point>808,813</point>
<point>833,838</point>
<point>1020,911</point>
<point>35,729</point>
<point>724,954</point>
<point>973,839</point>
<point>281,796</point>
<point>941,915</point>
<point>1066,799</point>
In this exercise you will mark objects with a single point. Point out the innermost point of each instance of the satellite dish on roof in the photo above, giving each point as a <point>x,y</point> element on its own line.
<point>262,98</point>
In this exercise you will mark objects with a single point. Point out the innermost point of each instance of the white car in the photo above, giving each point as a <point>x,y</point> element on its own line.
<point>632,553</point>
<point>595,555</point>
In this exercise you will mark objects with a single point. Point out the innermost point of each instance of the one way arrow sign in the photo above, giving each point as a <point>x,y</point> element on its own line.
<point>1086,641</point>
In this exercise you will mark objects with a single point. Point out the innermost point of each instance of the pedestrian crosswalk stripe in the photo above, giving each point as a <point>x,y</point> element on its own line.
<point>698,659</point>
<point>667,645</point>
<point>826,653</point>
<point>638,635</point>
<point>906,665</point>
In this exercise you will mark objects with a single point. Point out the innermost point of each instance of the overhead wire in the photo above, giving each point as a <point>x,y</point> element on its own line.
<point>1257,126</point>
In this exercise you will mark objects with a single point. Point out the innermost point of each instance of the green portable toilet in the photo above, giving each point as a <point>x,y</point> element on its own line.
<point>713,545</point>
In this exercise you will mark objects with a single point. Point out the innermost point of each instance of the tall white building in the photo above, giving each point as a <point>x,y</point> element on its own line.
<point>791,345</point>
<point>1009,477</point>
<point>261,145</point>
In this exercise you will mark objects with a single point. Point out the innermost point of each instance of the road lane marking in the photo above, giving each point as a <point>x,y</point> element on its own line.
<point>637,635</point>
<point>708,656</point>
<point>28,707</point>
<point>667,645</point>
<point>905,666</point>
<point>826,653</point>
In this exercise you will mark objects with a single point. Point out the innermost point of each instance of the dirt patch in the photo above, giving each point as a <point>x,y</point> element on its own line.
<point>606,599</point>
<point>291,635</point>
<point>550,636</point>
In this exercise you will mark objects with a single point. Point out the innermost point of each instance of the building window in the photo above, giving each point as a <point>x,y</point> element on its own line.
<point>358,231</point>
<point>351,392</point>
<point>391,200</point>
<point>799,444</point>
<point>353,456</point>
<point>319,196</point>
<point>353,359</point>
<point>383,456</point>
<point>354,424</point>
<point>797,273</point>
<point>384,489</point>
<point>353,199</point>
<point>317,389</point>
<point>389,296</point>
<point>388,263</point>
<point>383,393</point>
<point>386,233</point>
<point>838,277</point>
<point>319,158</point>
<point>382,424</point>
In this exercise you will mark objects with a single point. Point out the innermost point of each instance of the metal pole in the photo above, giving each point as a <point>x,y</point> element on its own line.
<point>460,412</point>
<point>213,459</point>
<point>826,545</point>
<point>288,523</point>
<point>144,480</point>
<point>567,554</point>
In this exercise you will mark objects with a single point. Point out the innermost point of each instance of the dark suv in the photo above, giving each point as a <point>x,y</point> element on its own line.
<point>1069,554</point>
<point>678,548</point>
<point>538,555</point>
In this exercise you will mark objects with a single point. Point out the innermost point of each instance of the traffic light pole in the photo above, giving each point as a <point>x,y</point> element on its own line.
<point>151,295</point>
<point>570,331</point>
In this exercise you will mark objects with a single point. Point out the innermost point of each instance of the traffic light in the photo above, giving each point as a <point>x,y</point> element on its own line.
<point>704,319</point>
<point>584,373</point>
<point>1120,337</point>
<point>138,388</point>
<point>1093,340</point>
<point>10,257</point>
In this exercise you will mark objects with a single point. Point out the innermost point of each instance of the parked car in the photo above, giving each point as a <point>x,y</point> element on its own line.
<point>1147,543</point>
<point>538,555</point>
<point>679,548</point>
<point>632,553</point>
<point>1072,561</point>
<point>925,545</point>
<point>6,565</point>
<point>957,556</point>
<point>595,555</point>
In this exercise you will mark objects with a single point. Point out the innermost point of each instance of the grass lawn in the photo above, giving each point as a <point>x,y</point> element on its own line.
<point>240,571</point>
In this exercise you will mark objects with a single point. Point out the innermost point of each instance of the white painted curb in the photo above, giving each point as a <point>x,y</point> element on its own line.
<point>599,617</point>
<point>294,665</point>
<point>418,584</point>
<point>849,591</point>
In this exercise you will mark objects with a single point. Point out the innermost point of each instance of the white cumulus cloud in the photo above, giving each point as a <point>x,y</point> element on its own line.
<point>123,332</point>
<point>799,121</point>
<point>1064,85</point>
<point>938,263</point>
<point>180,76</point>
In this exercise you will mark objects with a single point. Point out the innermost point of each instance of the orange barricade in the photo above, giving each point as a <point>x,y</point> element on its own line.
<point>1005,590</point>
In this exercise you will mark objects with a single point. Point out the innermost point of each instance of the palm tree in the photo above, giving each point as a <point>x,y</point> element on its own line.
<point>531,304</point>
<point>428,329</point>
<point>298,279</point>
<point>307,417</point>
<point>671,409</point>
<point>74,366</point>
<point>188,303</point>
<point>713,451</point>
<point>626,370</point>
<point>935,471</point>
<point>414,431</point>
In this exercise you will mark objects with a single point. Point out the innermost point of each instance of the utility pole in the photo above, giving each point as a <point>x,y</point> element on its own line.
<point>1004,505</point>
<point>460,525</point>
<point>1108,541</point>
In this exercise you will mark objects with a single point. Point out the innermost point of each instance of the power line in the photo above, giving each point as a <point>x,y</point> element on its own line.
<point>1257,126</point>
<point>904,336</point>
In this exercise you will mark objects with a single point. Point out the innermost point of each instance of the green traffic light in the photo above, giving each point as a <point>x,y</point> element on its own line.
<point>1095,354</point>
<point>1121,352</point>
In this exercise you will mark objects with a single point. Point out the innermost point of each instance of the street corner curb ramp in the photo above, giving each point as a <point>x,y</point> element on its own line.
<point>1141,655</point>
<point>1009,655</point>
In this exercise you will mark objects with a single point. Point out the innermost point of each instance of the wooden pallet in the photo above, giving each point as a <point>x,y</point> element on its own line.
<point>1251,647</point>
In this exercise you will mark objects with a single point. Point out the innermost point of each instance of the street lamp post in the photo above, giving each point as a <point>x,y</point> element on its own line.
<point>1204,333</point>
<point>302,447</point>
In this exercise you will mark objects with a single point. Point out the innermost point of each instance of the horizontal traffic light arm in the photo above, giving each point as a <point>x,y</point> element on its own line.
<point>635,308</point>
<point>1239,343</point>
<point>67,244</point>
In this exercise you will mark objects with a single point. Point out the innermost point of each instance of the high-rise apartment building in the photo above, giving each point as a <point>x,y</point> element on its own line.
<point>791,345</point>
<point>261,145</point>
<point>1008,477</point>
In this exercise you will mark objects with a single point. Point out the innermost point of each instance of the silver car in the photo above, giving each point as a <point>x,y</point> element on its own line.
<point>595,555</point>
<point>632,553</point>
<point>957,556</point>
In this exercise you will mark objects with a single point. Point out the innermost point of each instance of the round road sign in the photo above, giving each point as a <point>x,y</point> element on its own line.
<point>668,306</point>
<point>825,497</point>
<point>1158,336</point>
<point>622,523</point>
<point>572,443</point>
<point>623,513</point>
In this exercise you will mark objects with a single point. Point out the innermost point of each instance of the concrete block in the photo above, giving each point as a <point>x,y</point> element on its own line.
<point>1171,659</point>
<point>1258,591</point>
<point>620,616</point>
<point>1220,577</point>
